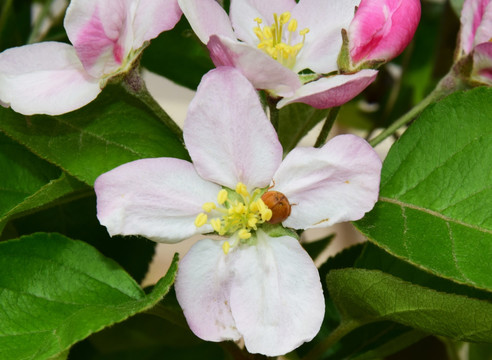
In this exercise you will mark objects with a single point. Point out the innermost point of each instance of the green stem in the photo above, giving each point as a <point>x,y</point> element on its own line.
<point>330,120</point>
<point>446,86</point>
<point>343,329</point>
<point>36,30</point>
<point>134,85</point>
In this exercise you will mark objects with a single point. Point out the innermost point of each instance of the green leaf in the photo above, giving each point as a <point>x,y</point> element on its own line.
<point>457,5</point>
<point>27,182</point>
<point>435,198</point>
<point>78,220</point>
<point>315,248</point>
<point>112,130</point>
<point>366,296</point>
<point>179,56</point>
<point>382,337</point>
<point>295,121</point>
<point>57,291</point>
<point>480,352</point>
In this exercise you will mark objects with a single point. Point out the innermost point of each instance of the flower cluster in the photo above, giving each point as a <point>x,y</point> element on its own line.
<point>291,49</point>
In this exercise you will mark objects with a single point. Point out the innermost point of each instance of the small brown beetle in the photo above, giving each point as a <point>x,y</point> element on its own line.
<point>279,204</point>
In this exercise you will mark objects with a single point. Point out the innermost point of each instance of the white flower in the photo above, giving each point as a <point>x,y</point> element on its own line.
<point>107,36</point>
<point>257,283</point>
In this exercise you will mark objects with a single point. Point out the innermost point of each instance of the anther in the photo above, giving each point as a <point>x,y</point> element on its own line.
<point>222,197</point>
<point>225,247</point>
<point>201,220</point>
<point>209,206</point>
<point>292,25</point>
<point>244,234</point>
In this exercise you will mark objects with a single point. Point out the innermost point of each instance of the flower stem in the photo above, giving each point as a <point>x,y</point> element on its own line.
<point>330,120</point>
<point>446,86</point>
<point>343,329</point>
<point>134,85</point>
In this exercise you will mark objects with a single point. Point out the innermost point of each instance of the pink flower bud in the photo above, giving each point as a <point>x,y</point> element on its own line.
<point>381,29</point>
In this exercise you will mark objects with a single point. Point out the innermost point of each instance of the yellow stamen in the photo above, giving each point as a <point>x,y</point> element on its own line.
<point>241,189</point>
<point>222,197</point>
<point>275,43</point>
<point>244,234</point>
<point>216,225</point>
<point>201,220</point>
<point>292,26</point>
<point>225,247</point>
<point>207,207</point>
<point>284,18</point>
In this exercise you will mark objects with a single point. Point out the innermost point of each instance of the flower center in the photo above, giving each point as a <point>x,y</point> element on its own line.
<point>235,212</point>
<point>273,42</point>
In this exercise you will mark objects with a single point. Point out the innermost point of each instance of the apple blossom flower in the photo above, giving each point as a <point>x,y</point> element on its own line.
<point>281,46</point>
<point>379,31</point>
<point>256,281</point>
<point>107,36</point>
<point>474,43</point>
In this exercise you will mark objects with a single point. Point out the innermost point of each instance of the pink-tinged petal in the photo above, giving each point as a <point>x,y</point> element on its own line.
<point>260,69</point>
<point>156,198</point>
<point>101,32</point>
<point>484,31</point>
<point>203,287</point>
<point>325,20</point>
<point>152,18</point>
<point>331,91</point>
<point>244,12</point>
<point>228,134</point>
<point>45,78</point>
<point>381,30</point>
<point>482,64</point>
<point>338,182</point>
<point>276,296</point>
<point>207,18</point>
<point>472,15</point>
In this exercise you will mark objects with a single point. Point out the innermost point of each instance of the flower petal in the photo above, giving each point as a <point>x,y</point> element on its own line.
<point>325,20</point>
<point>202,288</point>
<point>276,296</point>
<point>227,133</point>
<point>152,18</point>
<point>331,91</point>
<point>101,32</point>
<point>156,198</point>
<point>207,18</point>
<point>472,15</point>
<point>482,63</point>
<point>260,69</point>
<point>381,30</point>
<point>244,12</point>
<point>338,182</point>
<point>45,78</point>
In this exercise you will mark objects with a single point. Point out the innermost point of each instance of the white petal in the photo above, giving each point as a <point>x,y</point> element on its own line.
<point>153,17</point>
<point>206,18</point>
<point>45,78</point>
<point>101,32</point>
<point>325,20</point>
<point>227,133</point>
<point>331,91</point>
<point>244,12</point>
<point>339,182</point>
<point>260,69</point>
<point>156,198</point>
<point>202,288</point>
<point>276,296</point>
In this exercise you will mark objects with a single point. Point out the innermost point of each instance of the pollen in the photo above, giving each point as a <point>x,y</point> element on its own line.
<point>237,211</point>
<point>277,40</point>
